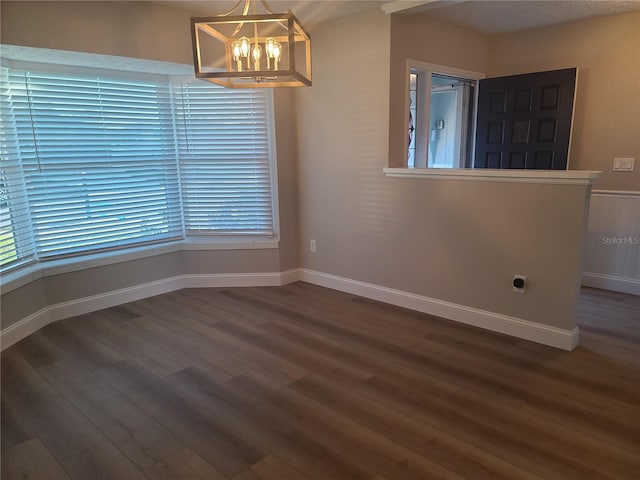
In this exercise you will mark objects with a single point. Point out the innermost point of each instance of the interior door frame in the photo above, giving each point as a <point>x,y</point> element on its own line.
<point>573,115</point>
<point>423,109</point>
<point>425,99</point>
<point>459,93</point>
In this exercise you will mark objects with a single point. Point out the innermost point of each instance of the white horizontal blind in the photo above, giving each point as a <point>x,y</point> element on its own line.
<point>16,239</point>
<point>98,157</point>
<point>223,150</point>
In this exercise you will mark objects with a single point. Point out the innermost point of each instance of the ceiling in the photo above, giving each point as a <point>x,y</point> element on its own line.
<point>491,16</point>
<point>309,12</point>
<point>485,16</point>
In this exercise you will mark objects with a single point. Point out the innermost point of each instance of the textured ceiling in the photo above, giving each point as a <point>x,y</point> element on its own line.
<point>486,16</point>
<point>509,16</point>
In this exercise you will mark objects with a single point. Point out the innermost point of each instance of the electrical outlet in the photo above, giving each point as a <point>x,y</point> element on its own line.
<point>519,283</point>
<point>313,246</point>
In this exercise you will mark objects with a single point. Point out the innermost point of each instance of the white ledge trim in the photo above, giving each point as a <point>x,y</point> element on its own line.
<point>616,193</point>
<point>554,177</point>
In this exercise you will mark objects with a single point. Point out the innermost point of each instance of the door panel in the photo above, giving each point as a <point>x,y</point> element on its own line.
<point>524,121</point>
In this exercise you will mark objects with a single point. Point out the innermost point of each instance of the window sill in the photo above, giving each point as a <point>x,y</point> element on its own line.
<point>553,177</point>
<point>27,274</point>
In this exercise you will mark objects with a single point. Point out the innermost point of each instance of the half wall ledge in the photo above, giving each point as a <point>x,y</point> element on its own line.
<point>551,177</point>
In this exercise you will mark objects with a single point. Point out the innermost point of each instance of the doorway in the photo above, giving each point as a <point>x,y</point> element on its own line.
<point>458,119</point>
<point>450,117</point>
<point>441,116</point>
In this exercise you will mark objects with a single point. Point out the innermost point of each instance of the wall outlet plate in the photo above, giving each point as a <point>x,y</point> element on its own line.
<point>624,164</point>
<point>521,282</point>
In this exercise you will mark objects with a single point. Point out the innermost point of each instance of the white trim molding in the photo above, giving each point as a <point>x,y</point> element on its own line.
<point>553,177</point>
<point>617,193</point>
<point>516,327</point>
<point>610,282</point>
<point>23,328</point>
<point>28,325</point>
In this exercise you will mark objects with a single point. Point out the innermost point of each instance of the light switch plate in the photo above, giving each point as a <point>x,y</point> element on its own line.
<point>624,164</point>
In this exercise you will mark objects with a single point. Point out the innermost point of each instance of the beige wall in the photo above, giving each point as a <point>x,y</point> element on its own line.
<point>286,146</point>
<point>22,302</point>
<point>606,51</point>
<point>450,240</point>
<point>129,29</point>
<point>342,124</point>
<point>150,31</point>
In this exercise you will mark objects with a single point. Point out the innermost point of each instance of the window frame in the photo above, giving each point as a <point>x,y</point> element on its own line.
<point>176,80</point>
<point>16,270</point>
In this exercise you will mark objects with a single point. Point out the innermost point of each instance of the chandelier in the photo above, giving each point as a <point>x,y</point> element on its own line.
<point>245,49</point>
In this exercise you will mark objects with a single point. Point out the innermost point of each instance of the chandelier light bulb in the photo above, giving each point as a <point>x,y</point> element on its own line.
<point>268,47</point>
<point>256,53</point>
<point>237,54</point>
<point>277,53</point>
<point>269,43</point>
<point>273,51</point>
<point>245,46</point>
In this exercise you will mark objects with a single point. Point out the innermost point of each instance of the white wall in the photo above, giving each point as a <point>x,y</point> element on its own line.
<point>612,244</point>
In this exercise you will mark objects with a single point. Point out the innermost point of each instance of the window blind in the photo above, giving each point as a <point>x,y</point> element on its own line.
<point>223,150</point>
<point>94,162</point>
<point>16,239</point>
<point>98,159</point>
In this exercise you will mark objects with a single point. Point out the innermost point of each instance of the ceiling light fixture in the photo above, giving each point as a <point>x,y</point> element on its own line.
<point>252,50</point>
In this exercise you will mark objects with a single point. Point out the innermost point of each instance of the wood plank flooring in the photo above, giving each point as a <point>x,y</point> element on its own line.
<point>305,383</point>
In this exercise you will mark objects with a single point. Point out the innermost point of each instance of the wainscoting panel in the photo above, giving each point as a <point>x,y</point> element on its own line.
<point>612,244</point>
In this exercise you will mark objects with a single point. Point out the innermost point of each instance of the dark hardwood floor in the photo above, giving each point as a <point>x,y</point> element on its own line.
<point>305,383</point>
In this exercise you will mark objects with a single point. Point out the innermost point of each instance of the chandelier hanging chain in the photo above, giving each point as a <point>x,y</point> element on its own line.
<point>245,11</point>
<point>245,8</point>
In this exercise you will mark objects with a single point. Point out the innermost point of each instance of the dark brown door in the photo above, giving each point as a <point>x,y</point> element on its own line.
<point>524,121</point>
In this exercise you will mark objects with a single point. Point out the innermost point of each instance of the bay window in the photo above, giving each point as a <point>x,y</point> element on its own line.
<point>100,161</point>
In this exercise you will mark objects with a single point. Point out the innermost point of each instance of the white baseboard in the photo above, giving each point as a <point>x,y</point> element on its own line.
<point>516,327</point>
<point>21,329</point>
<point>290,276</point>
<point>610,282</point>
<point>232,280</point>
<point>555,337</point>
<point>90,304</point>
